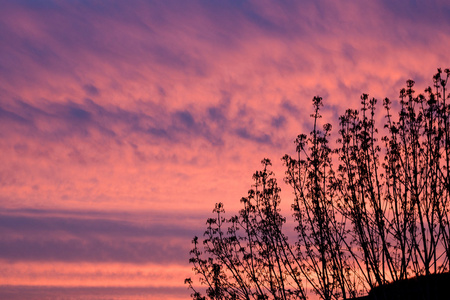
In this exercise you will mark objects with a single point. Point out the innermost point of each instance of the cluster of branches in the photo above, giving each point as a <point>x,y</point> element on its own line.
<point>367,211</point>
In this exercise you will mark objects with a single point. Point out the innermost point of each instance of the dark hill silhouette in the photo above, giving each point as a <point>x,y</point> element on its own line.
<point>431,287</point>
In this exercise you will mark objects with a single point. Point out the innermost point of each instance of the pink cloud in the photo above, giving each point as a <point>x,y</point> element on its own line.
<point>169,107</point>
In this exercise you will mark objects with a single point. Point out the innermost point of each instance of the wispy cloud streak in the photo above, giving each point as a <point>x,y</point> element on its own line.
<point>164,108</point>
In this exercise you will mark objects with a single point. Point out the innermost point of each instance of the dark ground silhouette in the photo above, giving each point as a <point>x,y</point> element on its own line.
<point>431,287</point>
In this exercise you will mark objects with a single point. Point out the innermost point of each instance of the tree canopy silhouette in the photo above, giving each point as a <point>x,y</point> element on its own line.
<point>369,209</point>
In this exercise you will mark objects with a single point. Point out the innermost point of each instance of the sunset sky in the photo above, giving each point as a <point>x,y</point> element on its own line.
<point>124,122</point>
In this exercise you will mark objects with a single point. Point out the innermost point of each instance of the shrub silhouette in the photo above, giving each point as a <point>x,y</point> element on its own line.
<point>368,211</point>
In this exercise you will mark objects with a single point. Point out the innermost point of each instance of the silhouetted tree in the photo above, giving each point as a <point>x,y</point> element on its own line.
<point>247,256</point>
<point>381,215</point>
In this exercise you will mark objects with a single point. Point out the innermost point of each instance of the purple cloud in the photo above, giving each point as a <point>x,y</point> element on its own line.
<point>86,237</point>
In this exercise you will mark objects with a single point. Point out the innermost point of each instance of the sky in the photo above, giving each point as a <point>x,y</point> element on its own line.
<point>124,122</point>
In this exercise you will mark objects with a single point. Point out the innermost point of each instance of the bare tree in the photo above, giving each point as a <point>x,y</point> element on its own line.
<point>320,227</point>
<point>247,255</point>
<point>381,215</point>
